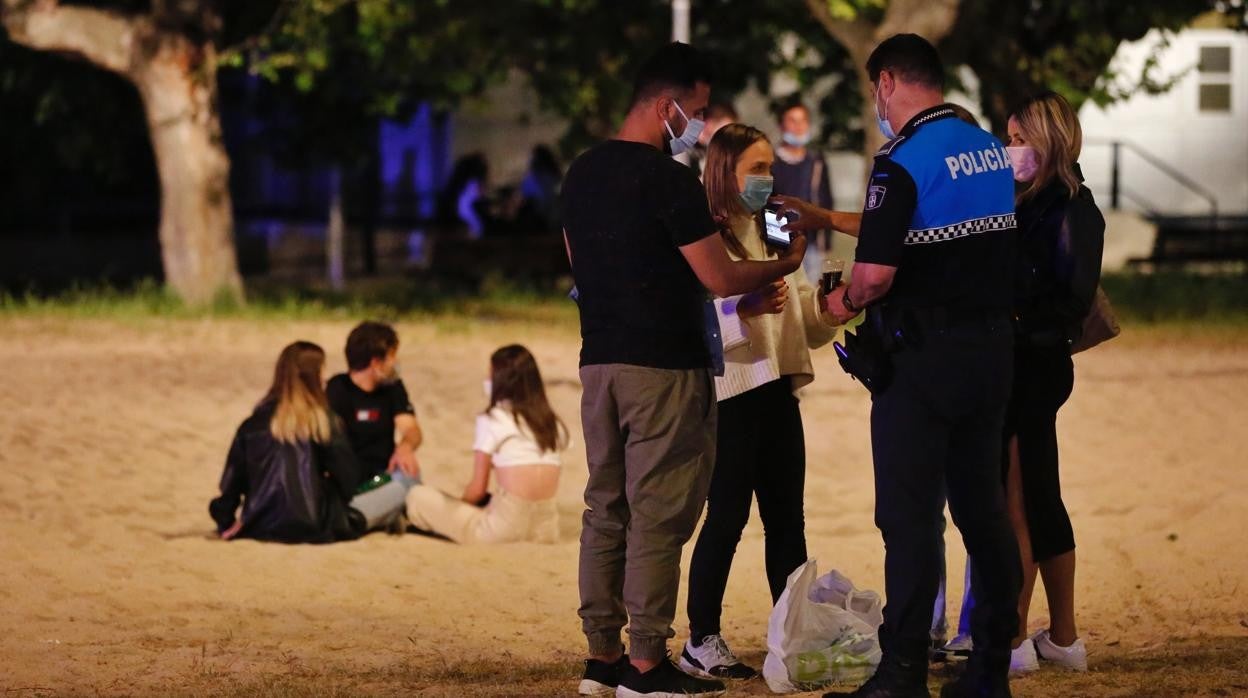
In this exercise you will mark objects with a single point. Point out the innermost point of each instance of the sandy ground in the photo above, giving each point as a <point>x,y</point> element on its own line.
<point>112,437</point>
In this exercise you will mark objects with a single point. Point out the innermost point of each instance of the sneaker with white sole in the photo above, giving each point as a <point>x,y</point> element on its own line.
<point>714,660</point>
<point>1074,657</point>
<point>602,678</point>
<point>665,681</point>
<point>1023,658</point>
<point>960,645</point>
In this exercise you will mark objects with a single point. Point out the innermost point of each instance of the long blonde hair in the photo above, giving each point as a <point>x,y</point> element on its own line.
<point>723,195</point>
<point>302,411</point>
<point>1049,125</point>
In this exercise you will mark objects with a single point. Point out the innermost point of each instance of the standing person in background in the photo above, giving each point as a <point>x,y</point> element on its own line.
<point>644,250</point>
<point>373,405</point>
<point>290,466</point>
<point>802,172</point>
<point>463,205</point>
<point>539,191</point>
<point>1062,235</point>
<point>718,115</point>
<point>768,335</point>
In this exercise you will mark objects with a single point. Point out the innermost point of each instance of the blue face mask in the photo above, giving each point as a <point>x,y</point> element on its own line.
<point>688,138</point>
<point>793,139</point>
<point>885,127</point>
<point>757,191</point>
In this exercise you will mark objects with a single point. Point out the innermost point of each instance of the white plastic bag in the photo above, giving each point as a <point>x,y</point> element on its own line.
<point>821,631</point>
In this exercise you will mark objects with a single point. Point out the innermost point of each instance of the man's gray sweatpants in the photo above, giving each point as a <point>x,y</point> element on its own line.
<point>650,443</point>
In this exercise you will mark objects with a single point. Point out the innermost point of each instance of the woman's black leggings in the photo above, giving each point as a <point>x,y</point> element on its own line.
<point>761,451</point>
<point>1043,378</point>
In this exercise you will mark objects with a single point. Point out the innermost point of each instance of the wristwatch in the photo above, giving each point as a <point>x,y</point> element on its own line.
<point>849,305</point>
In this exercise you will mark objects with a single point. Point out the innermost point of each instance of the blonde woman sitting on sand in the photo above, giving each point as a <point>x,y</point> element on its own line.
<point>290,465</point>
<point>519,439</point>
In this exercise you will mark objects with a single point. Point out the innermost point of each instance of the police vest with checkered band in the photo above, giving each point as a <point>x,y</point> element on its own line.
<point>962,175</point>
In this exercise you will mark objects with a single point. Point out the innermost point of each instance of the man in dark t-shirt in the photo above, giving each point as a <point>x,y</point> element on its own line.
<point>644,250</point>
<point>374,407</point>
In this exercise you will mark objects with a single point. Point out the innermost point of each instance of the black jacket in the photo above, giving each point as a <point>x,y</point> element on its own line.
<point>1060,244</point>
<point>291,493</point>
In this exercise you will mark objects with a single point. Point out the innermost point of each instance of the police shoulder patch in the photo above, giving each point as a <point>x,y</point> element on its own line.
<point>875,196</point>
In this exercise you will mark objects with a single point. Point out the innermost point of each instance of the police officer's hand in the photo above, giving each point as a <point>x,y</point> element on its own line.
<point>769,299</point>
<point>803,217</point>
<point>834,305</point>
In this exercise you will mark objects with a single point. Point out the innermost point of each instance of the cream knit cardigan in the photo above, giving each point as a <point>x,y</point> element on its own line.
<point>763,348</point>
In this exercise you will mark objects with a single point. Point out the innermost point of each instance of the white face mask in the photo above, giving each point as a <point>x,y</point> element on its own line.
<point>886,128</point>
<point>488,386</point>
<point>1025,162</point>
<point>689,137</point>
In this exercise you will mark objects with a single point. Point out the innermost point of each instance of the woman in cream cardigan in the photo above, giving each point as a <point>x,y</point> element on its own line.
<point>767,335</point>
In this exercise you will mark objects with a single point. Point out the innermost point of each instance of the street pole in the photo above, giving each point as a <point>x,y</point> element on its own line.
<point>680,32</point>
<point>680,20</point>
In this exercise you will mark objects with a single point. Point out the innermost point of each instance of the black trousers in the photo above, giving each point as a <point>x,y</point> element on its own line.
<point>761,452</point>
<point>935,430</point>
<point>1043,379</point>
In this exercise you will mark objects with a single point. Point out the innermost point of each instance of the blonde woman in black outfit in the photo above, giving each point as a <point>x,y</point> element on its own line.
<point>290,466</point>
<point>1061,236</point>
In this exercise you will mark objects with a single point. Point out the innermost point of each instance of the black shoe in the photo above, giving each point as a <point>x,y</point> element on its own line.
<point>978,682</point>
<point>892,680</point>
<point>665,681</point>
<point>601,678</point>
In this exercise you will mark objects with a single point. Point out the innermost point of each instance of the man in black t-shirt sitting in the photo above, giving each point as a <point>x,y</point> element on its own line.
<point>374,407</point>
<point>644,250</point>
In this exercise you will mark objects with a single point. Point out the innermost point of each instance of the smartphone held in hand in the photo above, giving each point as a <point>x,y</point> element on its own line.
<point>774,224</point>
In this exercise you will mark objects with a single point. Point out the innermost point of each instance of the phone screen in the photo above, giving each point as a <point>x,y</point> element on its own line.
<point>775,235</point>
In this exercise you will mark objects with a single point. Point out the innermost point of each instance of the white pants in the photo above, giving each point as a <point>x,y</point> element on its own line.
<point>506,519</point>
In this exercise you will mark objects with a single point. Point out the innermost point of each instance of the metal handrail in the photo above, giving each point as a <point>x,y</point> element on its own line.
<point>1166,168</point>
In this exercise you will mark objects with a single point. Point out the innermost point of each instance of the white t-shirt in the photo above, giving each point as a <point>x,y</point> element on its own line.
<point>509,441</point>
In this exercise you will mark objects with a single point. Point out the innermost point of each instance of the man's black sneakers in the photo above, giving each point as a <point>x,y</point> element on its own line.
<point>665,681</point>
<point>601,678</point>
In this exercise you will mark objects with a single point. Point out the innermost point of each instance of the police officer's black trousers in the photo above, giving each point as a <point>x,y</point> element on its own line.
<point>936,429</point>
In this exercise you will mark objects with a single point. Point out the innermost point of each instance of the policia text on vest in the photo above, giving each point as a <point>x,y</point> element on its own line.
<point>978,161</point>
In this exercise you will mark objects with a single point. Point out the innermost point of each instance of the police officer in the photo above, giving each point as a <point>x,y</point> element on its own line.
<point>932,272</point>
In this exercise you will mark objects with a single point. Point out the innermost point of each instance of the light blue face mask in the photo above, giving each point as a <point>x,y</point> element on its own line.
<point>687,139</point>
<point>793,139</point>
<point>885,127</point>
<point>757,191</point>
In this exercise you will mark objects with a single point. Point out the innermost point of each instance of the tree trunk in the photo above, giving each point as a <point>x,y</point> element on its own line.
<point>179,88</point>
<point>335,233</point>
<point>177,81</point>
<point>931,19</point>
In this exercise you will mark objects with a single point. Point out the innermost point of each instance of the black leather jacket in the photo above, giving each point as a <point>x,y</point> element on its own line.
<point>291,493</point>
<point>1060,244</point>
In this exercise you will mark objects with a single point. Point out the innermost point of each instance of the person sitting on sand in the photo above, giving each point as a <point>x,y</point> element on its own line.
<point>519,438</point>
<point>290,464</point>
<point>374,406</point>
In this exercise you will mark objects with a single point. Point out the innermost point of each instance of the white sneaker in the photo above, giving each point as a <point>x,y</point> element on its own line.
<point>714,660</point>
<point>1023,658</point>
<point>1074,657</point>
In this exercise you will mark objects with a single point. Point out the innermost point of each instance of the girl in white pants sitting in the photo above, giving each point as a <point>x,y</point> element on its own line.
<point>519,437</point>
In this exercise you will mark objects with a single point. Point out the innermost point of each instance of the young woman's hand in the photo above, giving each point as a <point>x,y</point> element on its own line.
<point>769,299</point>
<point>233,530</point>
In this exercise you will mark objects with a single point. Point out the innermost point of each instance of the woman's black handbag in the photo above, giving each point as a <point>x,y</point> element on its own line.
<point>1099,325</point>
